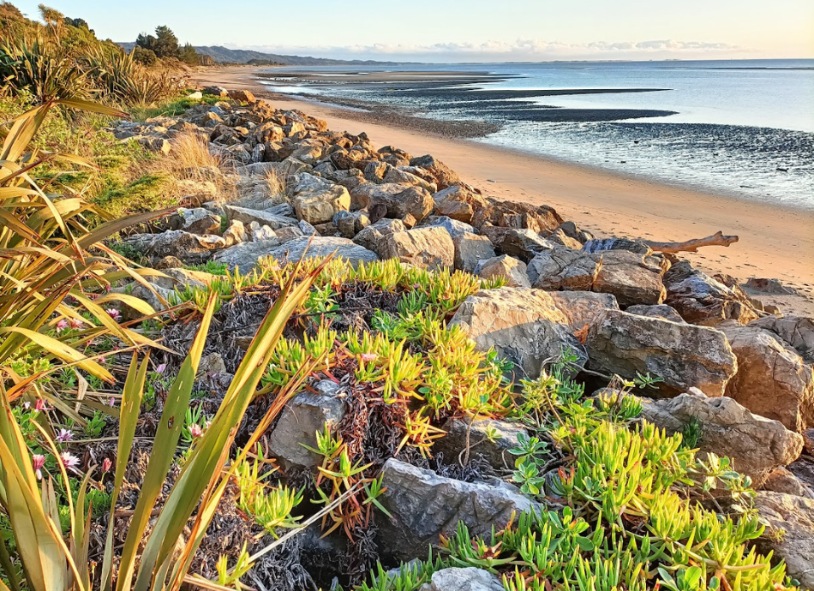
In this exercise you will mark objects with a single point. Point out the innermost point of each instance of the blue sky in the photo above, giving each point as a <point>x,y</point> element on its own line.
<point>476,30</point>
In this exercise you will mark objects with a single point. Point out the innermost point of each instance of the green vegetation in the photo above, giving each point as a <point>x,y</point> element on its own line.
<point>113,466</point>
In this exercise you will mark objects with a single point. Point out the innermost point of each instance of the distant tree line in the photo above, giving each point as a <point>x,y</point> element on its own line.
<point>164,45</point>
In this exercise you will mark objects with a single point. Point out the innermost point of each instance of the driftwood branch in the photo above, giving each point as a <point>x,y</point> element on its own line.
<point>717,239</point>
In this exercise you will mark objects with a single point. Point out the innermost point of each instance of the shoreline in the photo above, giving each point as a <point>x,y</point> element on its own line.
<point>776,241</point>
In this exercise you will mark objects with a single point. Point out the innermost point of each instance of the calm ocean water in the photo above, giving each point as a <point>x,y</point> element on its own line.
<point>743,127</point>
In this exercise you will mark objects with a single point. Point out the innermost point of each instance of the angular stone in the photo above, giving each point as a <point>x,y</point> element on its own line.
<point>781,480</point>
<point>303,416</point>
<point>320,247</point>
<point>524,326</point>
<point>458,202</point>
<point>262,217</point>
<point>245,256</point>
<point>523,244</point>
<point>489,438</point>
<point>509,268</point>
<point>656,311</point>
<point>609,244</point>
<point>190,248</point>
<point>563,268</point>
<point>633,279</point>
<point>517,215</point>
<point>429,248</point>
<point>443,175</point>
<point>772,379</point>
<point>454,227</point>
<point>462,579</point>
<point>317,201</point>
<point>424,506</point>
<point>790,535</point>
<point>197,220</point>
<point>403,177</point>
<point>682,355</point>
<point>756,445</point>
<point>797,331</point>
<point>700,299</point>
<point>470,250</point>
<point>372,237</point>
<point>583,308</point>
<point>399,201</point>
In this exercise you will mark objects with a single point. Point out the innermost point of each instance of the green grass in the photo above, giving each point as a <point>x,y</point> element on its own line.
<point>171,108</point>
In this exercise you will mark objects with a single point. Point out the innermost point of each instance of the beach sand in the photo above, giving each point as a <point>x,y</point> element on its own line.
<point>775,241</point>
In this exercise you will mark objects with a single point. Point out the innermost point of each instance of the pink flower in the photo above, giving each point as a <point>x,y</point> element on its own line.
<point>64,436</point>
<point>37,462</point>
<point>106,465</point>
<point>76,323</point>
<point>40,406</point>
<point>369,356</point>
<point>162,367</point>
<point>195,430</point>
<point>114,313</point>
<point>70,460</point>
<point>62,325</point>
<point>111,401</point>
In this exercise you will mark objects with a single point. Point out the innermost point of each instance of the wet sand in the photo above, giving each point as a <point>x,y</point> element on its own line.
<point>775,241</point>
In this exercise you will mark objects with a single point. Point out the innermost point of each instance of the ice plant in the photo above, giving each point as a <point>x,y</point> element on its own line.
<point>195,430</point>
<point>64,436</point>
<point>69,460</point>
<point>62,325</point>
<point>114,314</point>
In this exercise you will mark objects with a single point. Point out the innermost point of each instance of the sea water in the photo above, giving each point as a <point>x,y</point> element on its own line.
<point>741,127</point>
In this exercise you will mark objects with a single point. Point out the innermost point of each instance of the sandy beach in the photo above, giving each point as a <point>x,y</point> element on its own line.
<point>775,241</point>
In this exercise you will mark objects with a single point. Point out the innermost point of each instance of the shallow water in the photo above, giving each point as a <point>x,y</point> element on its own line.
<point>744,128</point>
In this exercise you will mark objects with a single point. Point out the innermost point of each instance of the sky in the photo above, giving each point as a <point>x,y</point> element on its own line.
<point>475,30</point>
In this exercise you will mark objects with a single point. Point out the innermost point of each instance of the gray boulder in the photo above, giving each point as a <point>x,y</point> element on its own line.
<point>429,248</point>
<point>273,220</point>
<point>320,247</point>
<point>462,579</point>
<point>509,268</point>
<point>772,379</point>
<point>424,506</point>
<point>524,244</point>
<point>196,220</point>
<point>583,308</point>
<point>407,203</point>
<point>790,535</point>
<point>303,416</point>
<point>188,247</point>
<point>470,250</point>
<point>797,331</point>
<point>682,355</point>
<point>245,256</point>
<point>756,445</point>
<point>522,325</point>
<point>656,311</point>
<point>373,236</point>
<point>632,278</point>
<point>489,438</point>
<point>563,268</point>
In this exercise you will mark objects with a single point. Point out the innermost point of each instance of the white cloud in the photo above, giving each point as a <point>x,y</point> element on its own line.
<point>519,50</point>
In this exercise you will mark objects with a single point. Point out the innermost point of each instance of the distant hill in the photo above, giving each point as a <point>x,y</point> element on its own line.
<point>224,55</point>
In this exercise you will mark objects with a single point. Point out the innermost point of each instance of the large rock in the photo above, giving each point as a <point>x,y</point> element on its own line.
<point>518,215</point>
<point>303,416</point>
<point>458,202</point>
<point>489,438</point>
<point>756,445</point>
<point>462,579</point>
<point>522,325</point>
<point>443,175</point>
<point>772,379</point>
<point>429,248</point>
<point>797,331</point>
<point>373,236</point>
<point>410,204</point>
<point>196,220</point>
<point>405,177</point>
<point>700,299</point>
<point>631,277</point>
<point>521,243</point>
<point>269,218</point>
<point>512,270</point>
<point>583,308</point>
<point>470,250</point>
<point>790,534</point>
<point>188,247</point>
<point>245,256</point>
<point>317,201</point>
<point>682,355</point>
<point>656,311</point>
<point>320,247</point>
<point>424,506</point>
<point>563,268</point>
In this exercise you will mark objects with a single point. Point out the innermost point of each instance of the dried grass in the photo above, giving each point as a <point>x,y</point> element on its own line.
<point>276,183</point>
